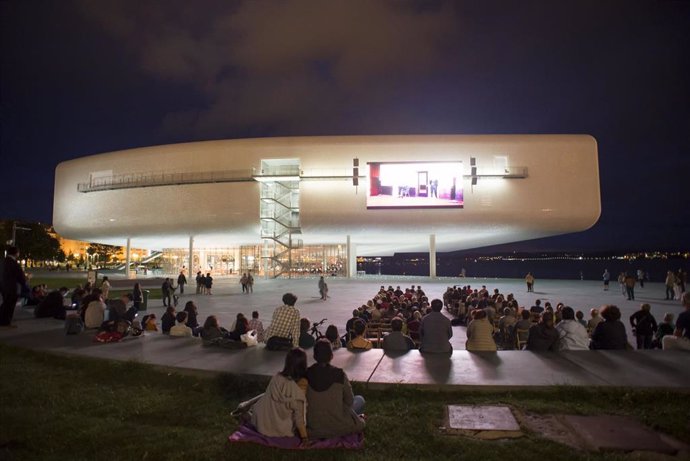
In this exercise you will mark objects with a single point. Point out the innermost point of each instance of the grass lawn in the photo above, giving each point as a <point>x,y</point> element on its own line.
<point>55,283</point>
<point>72,408</point>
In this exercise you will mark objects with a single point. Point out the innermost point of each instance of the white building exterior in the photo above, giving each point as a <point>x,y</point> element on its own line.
<point>285,190</point>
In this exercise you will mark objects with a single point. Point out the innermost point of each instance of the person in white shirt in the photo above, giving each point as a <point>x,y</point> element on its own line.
<point>95,311</point>
<point>181,329</point>
<point>572,335</point>
<point>105,287</point>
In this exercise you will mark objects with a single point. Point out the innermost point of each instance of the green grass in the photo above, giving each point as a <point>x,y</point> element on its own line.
<point>57,407</point>
<point>55,283</point>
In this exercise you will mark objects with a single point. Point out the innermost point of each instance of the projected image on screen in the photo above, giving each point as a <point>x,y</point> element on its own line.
<point>415,185</point>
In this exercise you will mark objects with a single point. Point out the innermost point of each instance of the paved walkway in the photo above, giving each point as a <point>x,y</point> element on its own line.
<point>502,370</point>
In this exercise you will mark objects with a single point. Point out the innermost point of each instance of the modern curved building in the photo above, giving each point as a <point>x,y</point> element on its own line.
<point>369,195</point>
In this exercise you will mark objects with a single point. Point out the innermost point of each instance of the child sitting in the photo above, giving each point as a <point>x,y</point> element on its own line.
<point>168,320</point>
<point>255,324</point>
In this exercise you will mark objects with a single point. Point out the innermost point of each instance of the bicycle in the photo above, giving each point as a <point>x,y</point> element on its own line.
<point>315,332</point>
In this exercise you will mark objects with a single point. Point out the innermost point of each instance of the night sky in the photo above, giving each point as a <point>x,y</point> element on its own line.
<point>84,77</point>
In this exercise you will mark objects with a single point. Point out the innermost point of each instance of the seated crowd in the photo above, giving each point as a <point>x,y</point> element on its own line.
<point>393,319</point>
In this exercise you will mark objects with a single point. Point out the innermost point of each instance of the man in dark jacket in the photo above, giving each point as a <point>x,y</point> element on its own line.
<point>12,278</point>
<point>644,325</point>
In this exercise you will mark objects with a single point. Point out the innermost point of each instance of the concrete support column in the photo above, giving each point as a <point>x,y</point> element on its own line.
<point>237,256</point>
<point>128,259</point>
<point>190,259</point>
<point>432,256</point>
<point>351,258</point>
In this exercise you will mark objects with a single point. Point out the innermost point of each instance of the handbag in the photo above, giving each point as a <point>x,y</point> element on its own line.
<point>278,343</point>
<point>250,338</point>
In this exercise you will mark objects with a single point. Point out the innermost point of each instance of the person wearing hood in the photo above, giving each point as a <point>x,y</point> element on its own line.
<point>281,411</point>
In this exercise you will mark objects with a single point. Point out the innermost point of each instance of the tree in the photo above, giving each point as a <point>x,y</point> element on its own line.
<point>104,252</point>
<point>37,244</point>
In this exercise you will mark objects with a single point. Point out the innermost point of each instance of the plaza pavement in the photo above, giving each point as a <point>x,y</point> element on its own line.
<point>502,370</point>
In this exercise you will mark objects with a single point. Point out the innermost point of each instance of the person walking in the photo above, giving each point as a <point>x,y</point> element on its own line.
<point>607,278</point>
<point>669,282</point>
<point>181,281</point>
<point>12,280</point>
<point>630,287</point>
<point>529,280</point>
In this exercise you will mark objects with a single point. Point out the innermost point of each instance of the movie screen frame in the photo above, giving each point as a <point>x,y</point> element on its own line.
<point>415,184</point>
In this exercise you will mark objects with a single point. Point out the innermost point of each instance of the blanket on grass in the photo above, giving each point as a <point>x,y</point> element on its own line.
<point>247,433</point>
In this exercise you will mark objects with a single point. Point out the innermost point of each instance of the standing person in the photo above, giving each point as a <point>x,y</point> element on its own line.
<point>250,282</point>
<point>435,330</point>
<point>640,277</point>
<point>322,288</point>
<point>643,326</point>
<point>669,282</point>
<point>137,296</point>
<point>607,277</point>
<point>208,281</point>
<point>630,287</point>
<point>243,282</point>
<point>529,280</point>
<point>680,339</point>
<point>166,289</point>
<point>181,282</point>
<point>199,284</point>
<point>105,287</point>
<point>13,279</point>
<point>286,320</point>
<point>621,282</point>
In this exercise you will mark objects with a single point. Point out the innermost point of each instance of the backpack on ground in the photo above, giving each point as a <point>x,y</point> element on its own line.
<point>73,325</point>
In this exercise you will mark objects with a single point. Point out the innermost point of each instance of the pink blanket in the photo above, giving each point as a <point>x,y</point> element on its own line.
<point>247,433</point>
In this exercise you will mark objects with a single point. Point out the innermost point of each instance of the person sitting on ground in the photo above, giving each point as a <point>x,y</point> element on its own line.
<point>572,335</point>
<point>168,320</point>
<point>644,326</point>
<point>53,305</point>
<point>241,327</point>
<point>610,334</point>
<point>148,323</point>
<point>305,339</point>
<point>537,308</point>
<point>285,321</point>
<point>413,325</point>
<point>212,332</point>
<point>435,330</point>
<point>333,336</point>
<point>543,336</point>
<point>359,342</point>
<point>181,328</point>
<point>595,320</point>
<point>350,324</point>
<point>281,410</point>
<point>333,408</point>
<point>666,327</point>
<point>580,317</point>
<point>480,332</point>
<point>680,339</point>
<point>256,325</point>
<point>396,341</point>
<point>94,314</point>
<point>193,317</point>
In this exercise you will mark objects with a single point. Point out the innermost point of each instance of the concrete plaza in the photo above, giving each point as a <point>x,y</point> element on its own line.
<point>505,369</point>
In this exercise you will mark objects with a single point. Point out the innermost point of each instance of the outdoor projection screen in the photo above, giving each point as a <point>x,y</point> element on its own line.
<point>415,185</point>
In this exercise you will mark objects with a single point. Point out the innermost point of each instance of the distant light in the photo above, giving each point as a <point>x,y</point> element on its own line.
<point>112,220</point>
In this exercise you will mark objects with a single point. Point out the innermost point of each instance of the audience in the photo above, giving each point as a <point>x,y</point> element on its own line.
<point>256,325</point>
<point>610,333</point>
<point>396,341</point>
<point>359,342</point>
<point>181,328</point>
<point>572,335</point>
<point>543,336</point>
<point>480,332</point>
<point>168,320</point>
<point>333,408</point>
